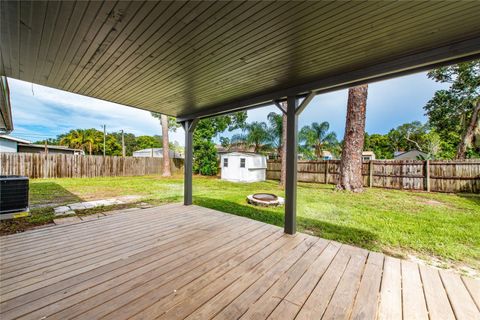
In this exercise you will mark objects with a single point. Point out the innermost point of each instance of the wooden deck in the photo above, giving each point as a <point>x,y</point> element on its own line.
<point>176,262</point>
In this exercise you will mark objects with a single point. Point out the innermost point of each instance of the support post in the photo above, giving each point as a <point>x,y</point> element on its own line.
<point>291,164</point>
<point>189,126</point>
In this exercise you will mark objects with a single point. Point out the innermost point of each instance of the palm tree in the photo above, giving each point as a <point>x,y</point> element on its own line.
<point>318,138</point>
<point>275,130</point>
<point>85,139</point>
<point>255,135</point>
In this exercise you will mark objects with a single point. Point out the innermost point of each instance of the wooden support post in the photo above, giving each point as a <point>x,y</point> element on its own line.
<point>292,112</point>
<point>427,175</point>
<point>370,173</point>
<point>189,126</point>
<point>291,172</point>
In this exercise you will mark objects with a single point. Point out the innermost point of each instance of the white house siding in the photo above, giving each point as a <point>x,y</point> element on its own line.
<point>8,145</point>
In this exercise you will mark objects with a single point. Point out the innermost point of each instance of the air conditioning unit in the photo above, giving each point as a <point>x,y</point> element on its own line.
<point>13,197</point>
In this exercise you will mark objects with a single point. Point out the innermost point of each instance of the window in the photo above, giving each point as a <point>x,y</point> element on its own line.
<point>225,162</point>
<point>242,162</point>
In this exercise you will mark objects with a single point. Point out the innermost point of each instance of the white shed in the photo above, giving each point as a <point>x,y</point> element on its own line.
<point>243,167</point>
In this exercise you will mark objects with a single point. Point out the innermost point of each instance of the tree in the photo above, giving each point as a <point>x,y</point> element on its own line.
<point>90,140</point>
<point>147,142</point>
<point>351,178</point>
<point>469,135</point>
<point>379,144</point>
<point>275,130</point>
<point>279,125</point>
<point>112,146</point>
<point>167,123</point>
<point>205,160</point>
<point>452,112</point>
<point>317,138</point>
<point>130,141</point>
<point>256,135</point>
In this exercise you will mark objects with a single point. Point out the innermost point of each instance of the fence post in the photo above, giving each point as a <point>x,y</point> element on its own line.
<point>370,173</point>
<point>326,171</point>
<point>427,175</point>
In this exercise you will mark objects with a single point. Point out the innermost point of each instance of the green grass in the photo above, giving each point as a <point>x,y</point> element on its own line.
<point>427,225</point>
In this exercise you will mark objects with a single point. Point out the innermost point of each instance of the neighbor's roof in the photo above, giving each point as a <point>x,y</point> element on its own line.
<point>193,58</point>
<point>42,146</point>
<point>414,153</point>
<point>159,151</point>
<point>7,137</point>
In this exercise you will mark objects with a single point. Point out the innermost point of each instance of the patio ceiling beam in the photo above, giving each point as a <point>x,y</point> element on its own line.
<point>279,105</point>
<point>460,51</point>
<point>305,103</point>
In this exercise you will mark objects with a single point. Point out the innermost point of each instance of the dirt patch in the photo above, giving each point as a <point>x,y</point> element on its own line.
<point>431,202</point>
<point>434,203</point>
<point>435,262</point>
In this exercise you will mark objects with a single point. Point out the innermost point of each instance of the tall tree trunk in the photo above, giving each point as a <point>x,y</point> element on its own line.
<point>351,163</point>
<point>166,149</point>
<point>283,155</point>
<point>90,148</point>
<point>467,138</point>
<point>318,152</point>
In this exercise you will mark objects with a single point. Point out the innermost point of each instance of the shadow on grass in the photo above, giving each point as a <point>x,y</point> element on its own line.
<point>326,230</point>
<point>43,196</point>
<point>474,198</point>
<point>50,193</point>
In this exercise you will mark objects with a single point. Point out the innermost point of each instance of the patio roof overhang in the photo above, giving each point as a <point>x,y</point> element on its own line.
<point>195,59</point>
<point>201,58</point>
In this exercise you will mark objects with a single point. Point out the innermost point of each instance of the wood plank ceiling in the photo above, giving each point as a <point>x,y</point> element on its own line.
<point>182,57</point>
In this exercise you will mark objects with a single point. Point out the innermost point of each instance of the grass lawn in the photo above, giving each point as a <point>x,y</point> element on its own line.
<point>438,227</point>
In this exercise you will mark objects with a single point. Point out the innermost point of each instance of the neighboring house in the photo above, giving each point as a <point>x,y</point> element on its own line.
<point>368,155</point>
<point>40,148</point>
<point>16,145</point>
<point>410,155</point>
<point>10,144</point>
<point>156,153</point>
<point>243,167</point>
<point>327,155</point>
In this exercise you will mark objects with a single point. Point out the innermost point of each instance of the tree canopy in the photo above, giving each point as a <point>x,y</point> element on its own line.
<point>204,152</point>
<point>450,110</point>
<point>316,138</point>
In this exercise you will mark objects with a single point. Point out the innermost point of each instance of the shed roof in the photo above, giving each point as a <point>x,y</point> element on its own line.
<point>199,58</point>
<point>242,154</point>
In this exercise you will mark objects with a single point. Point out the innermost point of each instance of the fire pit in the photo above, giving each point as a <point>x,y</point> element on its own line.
<point>265,199</point>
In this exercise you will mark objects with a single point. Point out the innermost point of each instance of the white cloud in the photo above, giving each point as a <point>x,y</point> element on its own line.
<point>57,111</point>
<point>40,111</point>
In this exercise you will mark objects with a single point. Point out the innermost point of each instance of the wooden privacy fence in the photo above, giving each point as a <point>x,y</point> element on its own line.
<point>37,165</point>
<point>429,175</point>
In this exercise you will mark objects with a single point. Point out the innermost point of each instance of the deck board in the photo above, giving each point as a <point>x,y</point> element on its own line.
<point>177,262</point>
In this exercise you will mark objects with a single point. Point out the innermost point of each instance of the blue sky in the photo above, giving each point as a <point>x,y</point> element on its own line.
<point>40,112</point>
